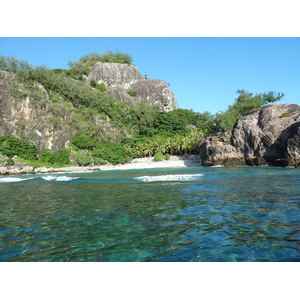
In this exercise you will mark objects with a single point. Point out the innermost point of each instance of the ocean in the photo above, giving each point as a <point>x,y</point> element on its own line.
<point>195,214</point>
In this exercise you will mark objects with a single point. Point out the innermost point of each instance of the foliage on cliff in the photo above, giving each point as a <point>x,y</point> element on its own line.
<point>245,103</point>
<point>82,67</point>
<point>143,129</point>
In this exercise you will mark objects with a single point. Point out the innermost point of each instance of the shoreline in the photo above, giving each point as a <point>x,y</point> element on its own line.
<point>138,163</point>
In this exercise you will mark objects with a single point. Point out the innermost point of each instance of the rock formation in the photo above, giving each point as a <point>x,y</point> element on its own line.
<point>269,136</point>
<point>121,78</point>
<point>30,114</point>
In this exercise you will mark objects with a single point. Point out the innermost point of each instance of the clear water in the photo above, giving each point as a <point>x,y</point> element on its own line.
<point>183,214</point>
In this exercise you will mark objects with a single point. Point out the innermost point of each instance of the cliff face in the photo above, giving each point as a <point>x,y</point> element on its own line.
<point>120,78</point>
<point>29,113</point>
<point>269,136</point>
<point>25,113</point>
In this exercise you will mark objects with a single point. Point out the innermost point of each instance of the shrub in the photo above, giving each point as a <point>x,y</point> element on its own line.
<point>11,64</point>
<point>113,152</point>
<point>98,161</point>
<point>11,146</point>
<point>285,115</point>
<point>158,156</point>
<point>10,162</point>
<point>167,156</point>
<point>83,159</point>
<point>57,159</point>
<point>132,93</point>
<point>102,87</point>
<point>83,141</point>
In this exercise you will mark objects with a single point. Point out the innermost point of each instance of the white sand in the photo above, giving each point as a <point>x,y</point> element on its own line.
<point>140,163</point>
<point>148,163</point>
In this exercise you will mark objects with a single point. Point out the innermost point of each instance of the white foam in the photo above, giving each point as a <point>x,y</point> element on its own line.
<point>176,177</point>
<point>12,179</point>
<point>59,178</point>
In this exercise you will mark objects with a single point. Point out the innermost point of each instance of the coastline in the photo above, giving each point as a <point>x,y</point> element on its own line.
<point>138,163</point>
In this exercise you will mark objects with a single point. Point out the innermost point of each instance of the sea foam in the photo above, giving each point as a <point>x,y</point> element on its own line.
<point>59,178</point>
<point>12,179</point>
<point>176,177</point>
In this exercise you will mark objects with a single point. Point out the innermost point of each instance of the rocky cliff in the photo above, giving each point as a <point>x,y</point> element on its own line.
<point>269,136</point>
<point>29,113</point>
<point>121,78</point>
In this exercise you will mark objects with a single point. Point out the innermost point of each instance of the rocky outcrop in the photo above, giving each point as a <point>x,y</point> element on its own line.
<point>121,78</point>
<point>269,136</point>
<point>28,112</point>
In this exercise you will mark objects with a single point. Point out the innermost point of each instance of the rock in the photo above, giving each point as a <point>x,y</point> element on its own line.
<point>27,169</point>
<point>3,170</point>
<point>15,170</point>
<point>43,170</point>
<point>30,113</point>
<point>121,78</point>
<point>114,74</point>
<point>269,136</point>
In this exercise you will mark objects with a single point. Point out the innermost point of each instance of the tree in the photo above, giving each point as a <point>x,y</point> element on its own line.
<point>271,97</point>
<point>11,64</point>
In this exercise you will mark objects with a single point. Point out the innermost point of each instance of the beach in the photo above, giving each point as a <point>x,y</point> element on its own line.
<point>138,163</point>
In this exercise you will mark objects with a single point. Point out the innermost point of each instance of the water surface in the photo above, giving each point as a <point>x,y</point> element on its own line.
<point>178,214</point>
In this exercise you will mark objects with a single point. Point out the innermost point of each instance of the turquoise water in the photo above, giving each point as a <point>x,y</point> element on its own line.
<point>181,214</point>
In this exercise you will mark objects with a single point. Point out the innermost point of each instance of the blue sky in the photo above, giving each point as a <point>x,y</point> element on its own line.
<point>204,73</point>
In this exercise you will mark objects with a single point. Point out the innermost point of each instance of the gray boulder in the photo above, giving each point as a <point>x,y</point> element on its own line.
<point>121,78</point>
<point>269,136</point>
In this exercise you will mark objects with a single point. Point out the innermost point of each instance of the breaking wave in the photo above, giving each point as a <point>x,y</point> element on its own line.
<point>12,179</point>
<point>59,178</point>
<point>176,177</point>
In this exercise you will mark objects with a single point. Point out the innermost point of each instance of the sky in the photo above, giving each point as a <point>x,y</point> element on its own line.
<point>203,72</point>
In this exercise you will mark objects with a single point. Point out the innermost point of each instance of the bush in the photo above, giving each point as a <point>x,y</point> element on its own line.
<point>98,161</point>
<point>57,159</point>
<point>11,146</point>
<point>113,152</point>
<point>285,115</point>
<point>83,141</point>
<point>132,93</point>
<point>83,159</point>
<point>11,64</point>
<point>159,156</point>
<point>99,86</point>
<point>167,156</point>
<point>10,162</point>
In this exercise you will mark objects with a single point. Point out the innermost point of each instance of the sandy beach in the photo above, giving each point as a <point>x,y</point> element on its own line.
<point>150,162</point>
<point>139,163</point>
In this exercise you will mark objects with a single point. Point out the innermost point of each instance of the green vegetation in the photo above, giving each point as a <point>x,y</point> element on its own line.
<point>10,162</point>
<point>83,159</point>
<point>132,93</point>
<point>159,156</point>
<point>167,156</point>
<point>285,115</point>
<point>143,129</point>
<point>99,86</point>
<point>58,159</point>
<point>11,146</point>
<point>81,68</point>
<point>13,65</point>
<point>246,103</point>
